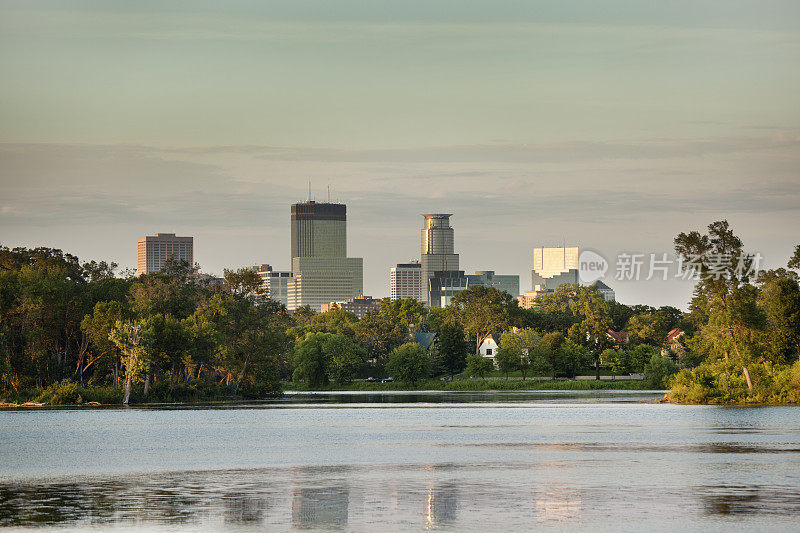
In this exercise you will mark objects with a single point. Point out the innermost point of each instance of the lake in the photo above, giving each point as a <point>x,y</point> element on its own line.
<point>505,461</point>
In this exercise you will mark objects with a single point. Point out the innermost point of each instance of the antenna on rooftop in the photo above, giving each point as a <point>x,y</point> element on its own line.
<point>329,191</point>
<point>309,190</point>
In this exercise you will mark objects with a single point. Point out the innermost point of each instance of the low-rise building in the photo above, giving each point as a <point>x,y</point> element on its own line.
<point>489,346</point>
<point>361,306</point>
<point>529,298</point>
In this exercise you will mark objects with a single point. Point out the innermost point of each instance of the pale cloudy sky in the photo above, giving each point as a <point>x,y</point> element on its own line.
<point>611,125</point>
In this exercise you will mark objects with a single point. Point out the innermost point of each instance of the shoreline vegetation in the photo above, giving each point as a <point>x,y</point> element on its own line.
<point>70,394</point>
<point>75,333</point>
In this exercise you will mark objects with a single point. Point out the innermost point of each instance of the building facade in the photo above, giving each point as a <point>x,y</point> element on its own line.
<point>553,267</point>
<point>608,293</point>
<point>405,281</point>
<point>321,271</point>
<point>501,282</point>
<point>436,249</point>
<point>155,250</point>
<point>361,306</point>
<point>274,284</point>
<point>529,298</point>
<point>446,284</point>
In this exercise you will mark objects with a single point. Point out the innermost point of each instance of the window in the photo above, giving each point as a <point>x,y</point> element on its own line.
<point>488,351</point>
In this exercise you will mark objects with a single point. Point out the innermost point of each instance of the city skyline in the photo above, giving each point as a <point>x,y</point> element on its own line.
<point>604,126</point>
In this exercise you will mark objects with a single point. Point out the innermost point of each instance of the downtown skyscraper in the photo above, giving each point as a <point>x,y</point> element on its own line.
<point>322,272</point>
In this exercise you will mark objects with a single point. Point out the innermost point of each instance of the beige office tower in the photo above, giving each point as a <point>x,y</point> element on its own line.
<point>405,281</point>
<point>553,267</point>
<point>322,272</point>
<point>154,251</point>
<point>436,249</point>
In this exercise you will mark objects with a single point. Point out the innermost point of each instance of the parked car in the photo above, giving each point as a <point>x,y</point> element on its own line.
<point>388,380</point>
<point>372,380</point>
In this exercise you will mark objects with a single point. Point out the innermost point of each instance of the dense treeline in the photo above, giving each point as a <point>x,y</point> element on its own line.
<point>747,326</point>
<point>72,332</point>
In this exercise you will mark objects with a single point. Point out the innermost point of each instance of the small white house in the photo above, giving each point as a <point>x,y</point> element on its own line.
<point>489,346</point>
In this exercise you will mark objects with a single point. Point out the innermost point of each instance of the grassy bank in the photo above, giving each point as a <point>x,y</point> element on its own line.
<point>71,393</point>
<point>485,385</point>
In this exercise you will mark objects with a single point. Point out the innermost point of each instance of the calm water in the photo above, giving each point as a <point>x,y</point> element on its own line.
<point>366,462</point>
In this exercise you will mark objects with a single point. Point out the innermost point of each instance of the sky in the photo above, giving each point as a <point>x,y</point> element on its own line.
<point>609,125</point>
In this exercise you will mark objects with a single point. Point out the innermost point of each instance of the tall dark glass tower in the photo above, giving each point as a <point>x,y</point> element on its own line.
<point>319,230</point>
<point>321,271</point>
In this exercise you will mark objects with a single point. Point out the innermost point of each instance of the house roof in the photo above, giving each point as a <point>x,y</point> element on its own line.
<point>674,334</point>
<point>618,336</point>
<point>494,337</point>
<point>425,339</point>
<point>600,285</point>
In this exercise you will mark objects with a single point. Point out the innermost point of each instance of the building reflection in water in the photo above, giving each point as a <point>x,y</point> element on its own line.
<point>320,507</point>
<point>244,509</point>
<point>557,503</point>
<point>441,505</point>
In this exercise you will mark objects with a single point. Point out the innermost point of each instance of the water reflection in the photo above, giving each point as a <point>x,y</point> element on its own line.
<point>244,509</point>
<point>558,503</point>
<point>320,507</point>
<point>441,504</point>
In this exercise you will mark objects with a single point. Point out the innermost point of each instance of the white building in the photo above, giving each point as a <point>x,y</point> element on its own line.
<point>489,345</point>
<point>405,281</point>
<point>274,284</point>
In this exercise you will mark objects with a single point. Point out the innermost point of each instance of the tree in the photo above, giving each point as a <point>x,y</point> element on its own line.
<point>592,331</point>
<point>509,354</point>
<point>245,281</point>
<point>345,357</point>
<point>780,300</point>
<point>409,363</point>
<point>407,312</point>
<point>98,327</point>
<point>451,357</point>
<point>483,311</point>
<point>379,335</point>
<point>573,357</point>
<point>659,370</point>
<point>648,328</point>
<point>640,355</point>
<point>478,365</point>
<point>311,361</point>
<point>617,360</point>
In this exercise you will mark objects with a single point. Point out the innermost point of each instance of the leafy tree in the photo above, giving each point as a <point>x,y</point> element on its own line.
<point>573,357</point>
<point>509,354</point>
<point>483,311</point>
<point>409,363</point>
<point>640,355</point>
<point>453,348</point>
<point>478,365</point>
<point>617,360</point>
<point>379,335</point>
<point>407,312</point>
<point>334,321</point>
<point>242,282</point>
<point>659,370</point>
<point>345,357</point>
<point>648,328</point>
<point>311,361</point>
<point>780,300</point>
<point>98,327</point>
